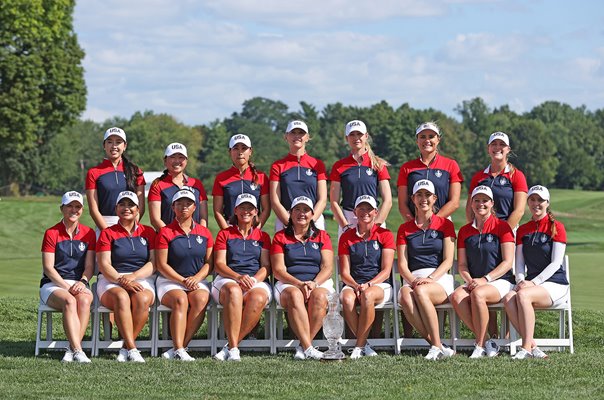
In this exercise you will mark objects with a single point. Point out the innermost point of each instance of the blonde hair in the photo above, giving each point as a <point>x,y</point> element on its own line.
<point>377,163</point>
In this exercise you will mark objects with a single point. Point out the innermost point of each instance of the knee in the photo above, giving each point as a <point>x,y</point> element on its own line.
<point>420,293</point>
<point>348,300</point>
<point>70,304</point>
<point>476,297</point>
<point>84,301</point>
<point>509,301</point>
<point>256,300</point>
<point>318,299</point>
<point>523,297</point>
<point>122,299</point>
<point>233,293</point>
<point>180,303</point>
<point>367,299</point>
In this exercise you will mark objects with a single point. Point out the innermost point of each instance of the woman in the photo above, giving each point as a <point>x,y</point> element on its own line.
<point>540,279</point>
<point>113,176</point>
<point>125,254</point>
<point>184,260</point>
<point>443,172</point>
<point>68,264</point>
<point>242,262</point>
<point>302,262</point>
<point>361,173</point>
<point>366,254</point>
<point>172,180</point>
<point>297,174</point>
<point>426,248</point>
<point>485,253</point>
<point>242,177</point>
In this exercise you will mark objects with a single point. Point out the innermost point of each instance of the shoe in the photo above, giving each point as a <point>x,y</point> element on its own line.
<point>299,354</point>
<point>135,356</point>
<point>522,354</point>
<point>447,351</point>
<point>368,351</point>
<point>223,354</point>
<point>68,357</point>
<point>80,357</point>
<point>311,352</point>
<point>356,353</point>
<point>538,353</point>
<point>492,348</point>
<point>434,353</point>
<point>182,355</point>
<point>478,352</point>
<point>168,355</point>
<point>234,354</point>
<point>122,356</point>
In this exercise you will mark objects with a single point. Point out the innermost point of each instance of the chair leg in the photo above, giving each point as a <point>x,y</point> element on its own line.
<point>38,334</point>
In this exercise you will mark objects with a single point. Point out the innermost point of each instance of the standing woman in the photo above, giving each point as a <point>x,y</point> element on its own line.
<point>485,253</point>
<point>540,278</point>
<point>184,260</point>
<point>366,253</point>
<point>125,254</point>
<point>68,264</point>
<point>242,262</point>
<point>242,177</point>
<point>361,173</point>
<point>443,172</point>
<point>113,176</point>
<point>426,248</point>
<point>173,179</point>
<point>302,262</point>
<point>297,174</point>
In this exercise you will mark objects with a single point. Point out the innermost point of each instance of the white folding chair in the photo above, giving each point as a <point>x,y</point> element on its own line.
<point>248,344</point>
<point>163,340</point>
<point>47,341</point>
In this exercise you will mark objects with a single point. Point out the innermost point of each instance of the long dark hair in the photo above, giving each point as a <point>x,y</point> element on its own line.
<point>233,221</point>
<point>550,216</point>
<point>132,172</point>
<point>311,233</point>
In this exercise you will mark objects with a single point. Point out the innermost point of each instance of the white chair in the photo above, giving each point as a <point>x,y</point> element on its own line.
<point>163,340</point>
<point>249,344</point>
<point>46,341</point>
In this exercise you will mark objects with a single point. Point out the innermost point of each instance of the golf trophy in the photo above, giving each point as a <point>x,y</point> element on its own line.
<point>333,327</point>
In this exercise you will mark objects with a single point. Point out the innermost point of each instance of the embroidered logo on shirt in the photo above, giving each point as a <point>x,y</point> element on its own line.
<point>376,245</point>
<point>489,238</point>
<point>314,246</point>
<point>433,234</point>
<point>309,172</point>
<point>253,186</point>
<point>143,241</point>
<point>82,246</point>
<point>255,243</point>
<point>438,173</point>
<point>199,239</point>
<point>502,181</point>
<point>369,171</point>
<point>543,238</point>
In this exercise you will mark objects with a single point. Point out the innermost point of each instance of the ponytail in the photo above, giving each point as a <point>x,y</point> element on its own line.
<point>551,218</point>
<point>131,172</point>
<point>157,180</point>
<point>512,169</point>
<point>252,168</point>
<point>377,163</point>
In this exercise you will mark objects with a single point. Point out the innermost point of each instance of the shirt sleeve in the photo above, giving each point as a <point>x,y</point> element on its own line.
<point>519,182</point>
<point>455,172</point>
<point>266,241</point>
<point>403,175</point>
<point>154,192</point>
<point>275,172</point>
<point>400,235</point>
<point>388,240</point>
<point>162,241</point>
<point>217,188</point>
<point>49,242</point>
<point>326,240</point>
<point>334,176</point>
<point>277,245</point>
<point>449,229</point>
<point>474,181</point>
<point>560,233</point>
<point>104,242</point>
<point>90,179</point>
<point>321,172</point>
<point>506,235</point>
<point>343,248</point>
<point>140,179</point>
<point>383,174</point>
<point>221,240</point>
<point>90,238</point>
<point>461,238</point>
<point>263,180</point>
<point>203,196</point>
<point>149,234</point>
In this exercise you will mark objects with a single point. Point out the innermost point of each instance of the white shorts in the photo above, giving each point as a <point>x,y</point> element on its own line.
<point>386,287</point>
<point>103,284</point>
<point>557,292</point>
<point>164,285</point>
<point>319,223</point>
<point>48,288</point>
<point>280,287</point>
<point>446,281</point>
<point>219,282</point>
<point>502,286</point>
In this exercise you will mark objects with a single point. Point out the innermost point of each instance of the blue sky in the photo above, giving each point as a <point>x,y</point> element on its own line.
<point>199,60</point>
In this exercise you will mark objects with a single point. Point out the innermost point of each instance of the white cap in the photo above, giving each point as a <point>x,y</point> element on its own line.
<point>185,192</point>
<point>424,184</point>
<point>427,126</point>
<point>68,197</point>
<point>239,138</point>
<point>302,200</point>
<point>174,148</point>
<point>365,199</point>
<point>297,124</point>
<point>484,190</point>
<point>354,126</point>
<point>539,190</point>
<point>127,195</point>
<point>115,131</point>
<point>246,198</point>
<point>501,136</point>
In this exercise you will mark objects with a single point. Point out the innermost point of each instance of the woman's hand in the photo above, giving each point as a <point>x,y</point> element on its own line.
<point>476,282</point>
<point>77,288</point>
<point>523,284</point>
<point>246,282</point>
<point>191,282</point>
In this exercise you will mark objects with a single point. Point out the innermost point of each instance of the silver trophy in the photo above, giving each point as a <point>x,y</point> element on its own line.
<point>333,327</point>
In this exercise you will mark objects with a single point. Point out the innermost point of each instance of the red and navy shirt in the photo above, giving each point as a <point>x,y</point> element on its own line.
<point>442,172</point>
<point>503,186</point>
<point>163,190</point>
<point>186,252</point>
<point>70,254</point>
<point>425,247</point>
<point>365,255</point>
<point>298,177</point>
<point>537,246</point>
<point>357,179</point>
<point>243,254</point>
<point>109,182</point>
<point>231,183</point>
<point>129,253</point>
<point>483,249</point>
<point>302,260</point>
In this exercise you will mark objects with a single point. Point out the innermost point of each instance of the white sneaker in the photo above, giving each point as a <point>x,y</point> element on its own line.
<point>447,351</point>
<point>538,353</point>
<point>68,357</point>
<point>434,353</point>
<point>356,353</point>
<point>80,356</point>
<point>182,355</point>
<point>223,354</point>
<point>122,356</point>
<point>522,354</point>
<point>299,354</point>
<point>368,351</point>
<point>311,352</point>
<point>478,352</point>
<point>492,348</point>
<point>168,355</point>
<point>134,355</point>
<point>234,354</point>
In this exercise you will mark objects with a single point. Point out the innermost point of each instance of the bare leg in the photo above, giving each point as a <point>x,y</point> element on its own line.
<point>427,296</point>
<point>64,301</point>
<point>368,299</point>
<point>198,302</point>
<point>292,300</point>
<point>231,298</point>
<point>411,311</point>
<point>178,302</point>
<point>460,299</point>
<point>317,309</point>
<point>349,302</point>
<point>141,301</point>
<point>528,299</point>
<point>481,297</point>
<point>118,300</point>
<point>253,304</point>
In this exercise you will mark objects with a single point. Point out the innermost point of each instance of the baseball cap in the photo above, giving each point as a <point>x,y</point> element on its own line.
<point>185,192</point>
<point>428,126</point>
<point>115,131</point>
<point>539,190</point>
<point>297,124</point>
<point>174,148</point>
<point>484,190</point>
<point>302,200</point>
<point>424,184</point>
<point>365,199</point>
<point>246,198</point>
<point>68,197</point>
<point>499,135</point>
<point>127,195</point>
<point>239,138</point>
<point>356,125</point>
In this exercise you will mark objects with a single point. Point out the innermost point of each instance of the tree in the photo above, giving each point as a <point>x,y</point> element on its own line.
<point>42,87</point>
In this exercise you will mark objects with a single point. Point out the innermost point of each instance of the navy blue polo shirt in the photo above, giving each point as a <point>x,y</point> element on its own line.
<point>297,177</point>
<point>302,260</point>
<point>129,253</point>
<point>243,254</point>
<point>231,183</point>
<point>164,190</point>
<point>503,186</point>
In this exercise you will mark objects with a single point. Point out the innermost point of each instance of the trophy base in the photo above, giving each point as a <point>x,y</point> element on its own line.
<point>333,355</point>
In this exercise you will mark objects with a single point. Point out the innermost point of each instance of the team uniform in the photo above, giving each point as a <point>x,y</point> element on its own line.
<point>425,249</point>
<point>503,186</point>
<point>186,254</point>
<point>70,255</point>
<point>442,172</point>
<point>231,183</point>
<point>483,250</point>
<point>164,189</point>
<point>302,260</point>
<point>366,256</point>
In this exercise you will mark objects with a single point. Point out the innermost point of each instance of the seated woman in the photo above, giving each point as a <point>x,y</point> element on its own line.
<point>366,254</point>
<point>426,246</point>
<point>302,262</point>
<point>125,254</point>
<point>184,260</point>
<point>68,263</point>
<point>485,252</point>
<point>540,279</point>
<point>242,262</point>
